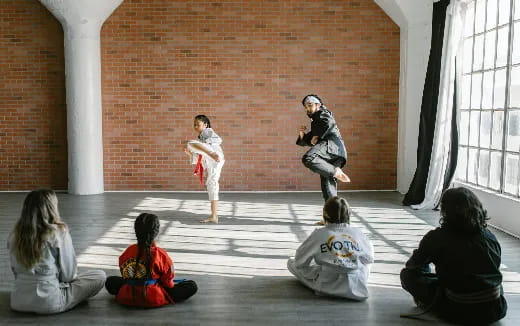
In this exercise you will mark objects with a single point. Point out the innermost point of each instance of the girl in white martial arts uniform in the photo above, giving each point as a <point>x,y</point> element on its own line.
<point>334,259</point>
<point>207,154</point>
<point>43,260</point>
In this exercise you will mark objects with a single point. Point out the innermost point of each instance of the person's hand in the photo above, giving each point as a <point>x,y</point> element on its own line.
<point>302,131</point>
<point>314,140</point>
<point>187,151</point>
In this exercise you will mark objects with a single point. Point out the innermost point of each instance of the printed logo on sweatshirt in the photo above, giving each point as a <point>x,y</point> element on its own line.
<point>132,270</point>
<point>341,246</point>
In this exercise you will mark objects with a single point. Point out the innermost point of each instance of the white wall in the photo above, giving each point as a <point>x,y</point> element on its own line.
<point>414,17</point>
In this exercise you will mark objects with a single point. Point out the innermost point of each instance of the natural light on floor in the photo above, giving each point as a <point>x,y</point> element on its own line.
<point>256,239</point>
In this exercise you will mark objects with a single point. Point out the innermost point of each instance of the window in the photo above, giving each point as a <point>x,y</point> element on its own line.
<point>489,112</point>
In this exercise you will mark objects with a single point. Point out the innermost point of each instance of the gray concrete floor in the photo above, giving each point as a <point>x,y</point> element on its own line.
<point>240,264</point>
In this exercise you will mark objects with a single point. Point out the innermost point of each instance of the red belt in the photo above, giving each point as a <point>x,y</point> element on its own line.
<point>199,169</point>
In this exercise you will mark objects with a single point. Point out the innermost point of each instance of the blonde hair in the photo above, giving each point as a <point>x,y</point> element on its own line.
<point>336,210</point>
<point>37,223</point>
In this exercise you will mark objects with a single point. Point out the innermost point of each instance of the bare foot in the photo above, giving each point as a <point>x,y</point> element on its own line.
<point>341,176</point>
<point>214,156</point>
<point>320,223</point>
<point>210,219</point>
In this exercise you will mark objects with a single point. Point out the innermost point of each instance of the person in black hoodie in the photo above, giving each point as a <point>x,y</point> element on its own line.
<point>467,284</point>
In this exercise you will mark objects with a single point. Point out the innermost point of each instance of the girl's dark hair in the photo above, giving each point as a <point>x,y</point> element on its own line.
<point>462,211</point>
<point>336,210</point>
<point>204,119</point>
<point>313,95</point>
<point>146,228</point>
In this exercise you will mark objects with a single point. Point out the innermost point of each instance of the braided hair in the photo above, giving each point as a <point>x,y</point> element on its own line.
<point>204,119</point>
<point>146,228</point>
<point>336,210</point>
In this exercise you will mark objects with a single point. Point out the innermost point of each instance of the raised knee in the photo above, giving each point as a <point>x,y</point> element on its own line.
<point>194,287</point>
<point>307,160</point>
<point>404,273</point>
<point>406,276</point>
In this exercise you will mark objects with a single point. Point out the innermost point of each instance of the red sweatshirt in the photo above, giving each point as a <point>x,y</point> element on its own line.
<point>161,267</point>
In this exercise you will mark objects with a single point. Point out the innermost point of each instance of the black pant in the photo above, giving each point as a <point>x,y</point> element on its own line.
<point>180,292</point>
<point>424,286</point>
<point>320,161</point>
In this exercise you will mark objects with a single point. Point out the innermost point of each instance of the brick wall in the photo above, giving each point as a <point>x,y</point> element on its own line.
<point>33,118</point>
<point>245,64</point>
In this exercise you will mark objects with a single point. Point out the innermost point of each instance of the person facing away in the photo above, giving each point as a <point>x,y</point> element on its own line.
<point>206,153</point>
<point>466,286</point>
<point>334,260</point>
<point>147,272</point>
<point>43,261</point>
<point>327,154</point>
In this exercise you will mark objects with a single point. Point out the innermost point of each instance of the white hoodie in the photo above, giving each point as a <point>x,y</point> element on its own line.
<point>334,261</point>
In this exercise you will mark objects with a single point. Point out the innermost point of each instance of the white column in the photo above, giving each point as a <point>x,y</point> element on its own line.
<point>414,17</point>
<point>81,21</point>
<point>414,63</point>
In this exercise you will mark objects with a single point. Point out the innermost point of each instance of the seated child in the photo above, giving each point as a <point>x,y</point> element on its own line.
<point>467,284</point>
<point>147,271</point>
<point>43,260</point>
<point>334,259</point>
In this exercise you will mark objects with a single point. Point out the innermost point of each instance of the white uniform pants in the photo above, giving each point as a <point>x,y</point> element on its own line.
<point>212,168</point>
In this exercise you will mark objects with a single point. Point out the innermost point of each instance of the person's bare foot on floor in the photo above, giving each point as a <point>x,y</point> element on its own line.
<point>211,219</point>
<point>341,176</point>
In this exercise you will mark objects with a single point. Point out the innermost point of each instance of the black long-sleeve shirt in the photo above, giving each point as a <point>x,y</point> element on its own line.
<point>324,126</point>
<point>464,263</point>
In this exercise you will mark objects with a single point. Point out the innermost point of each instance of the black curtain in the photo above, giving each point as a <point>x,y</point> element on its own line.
<point>415,194</point>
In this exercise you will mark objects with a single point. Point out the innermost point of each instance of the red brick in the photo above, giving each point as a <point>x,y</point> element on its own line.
<point>246,64</point>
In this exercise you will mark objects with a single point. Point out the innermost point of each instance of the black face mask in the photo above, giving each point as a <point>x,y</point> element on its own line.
<point>309,114</point>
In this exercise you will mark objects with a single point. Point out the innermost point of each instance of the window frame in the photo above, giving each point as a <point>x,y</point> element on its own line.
<point>472,109</point>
